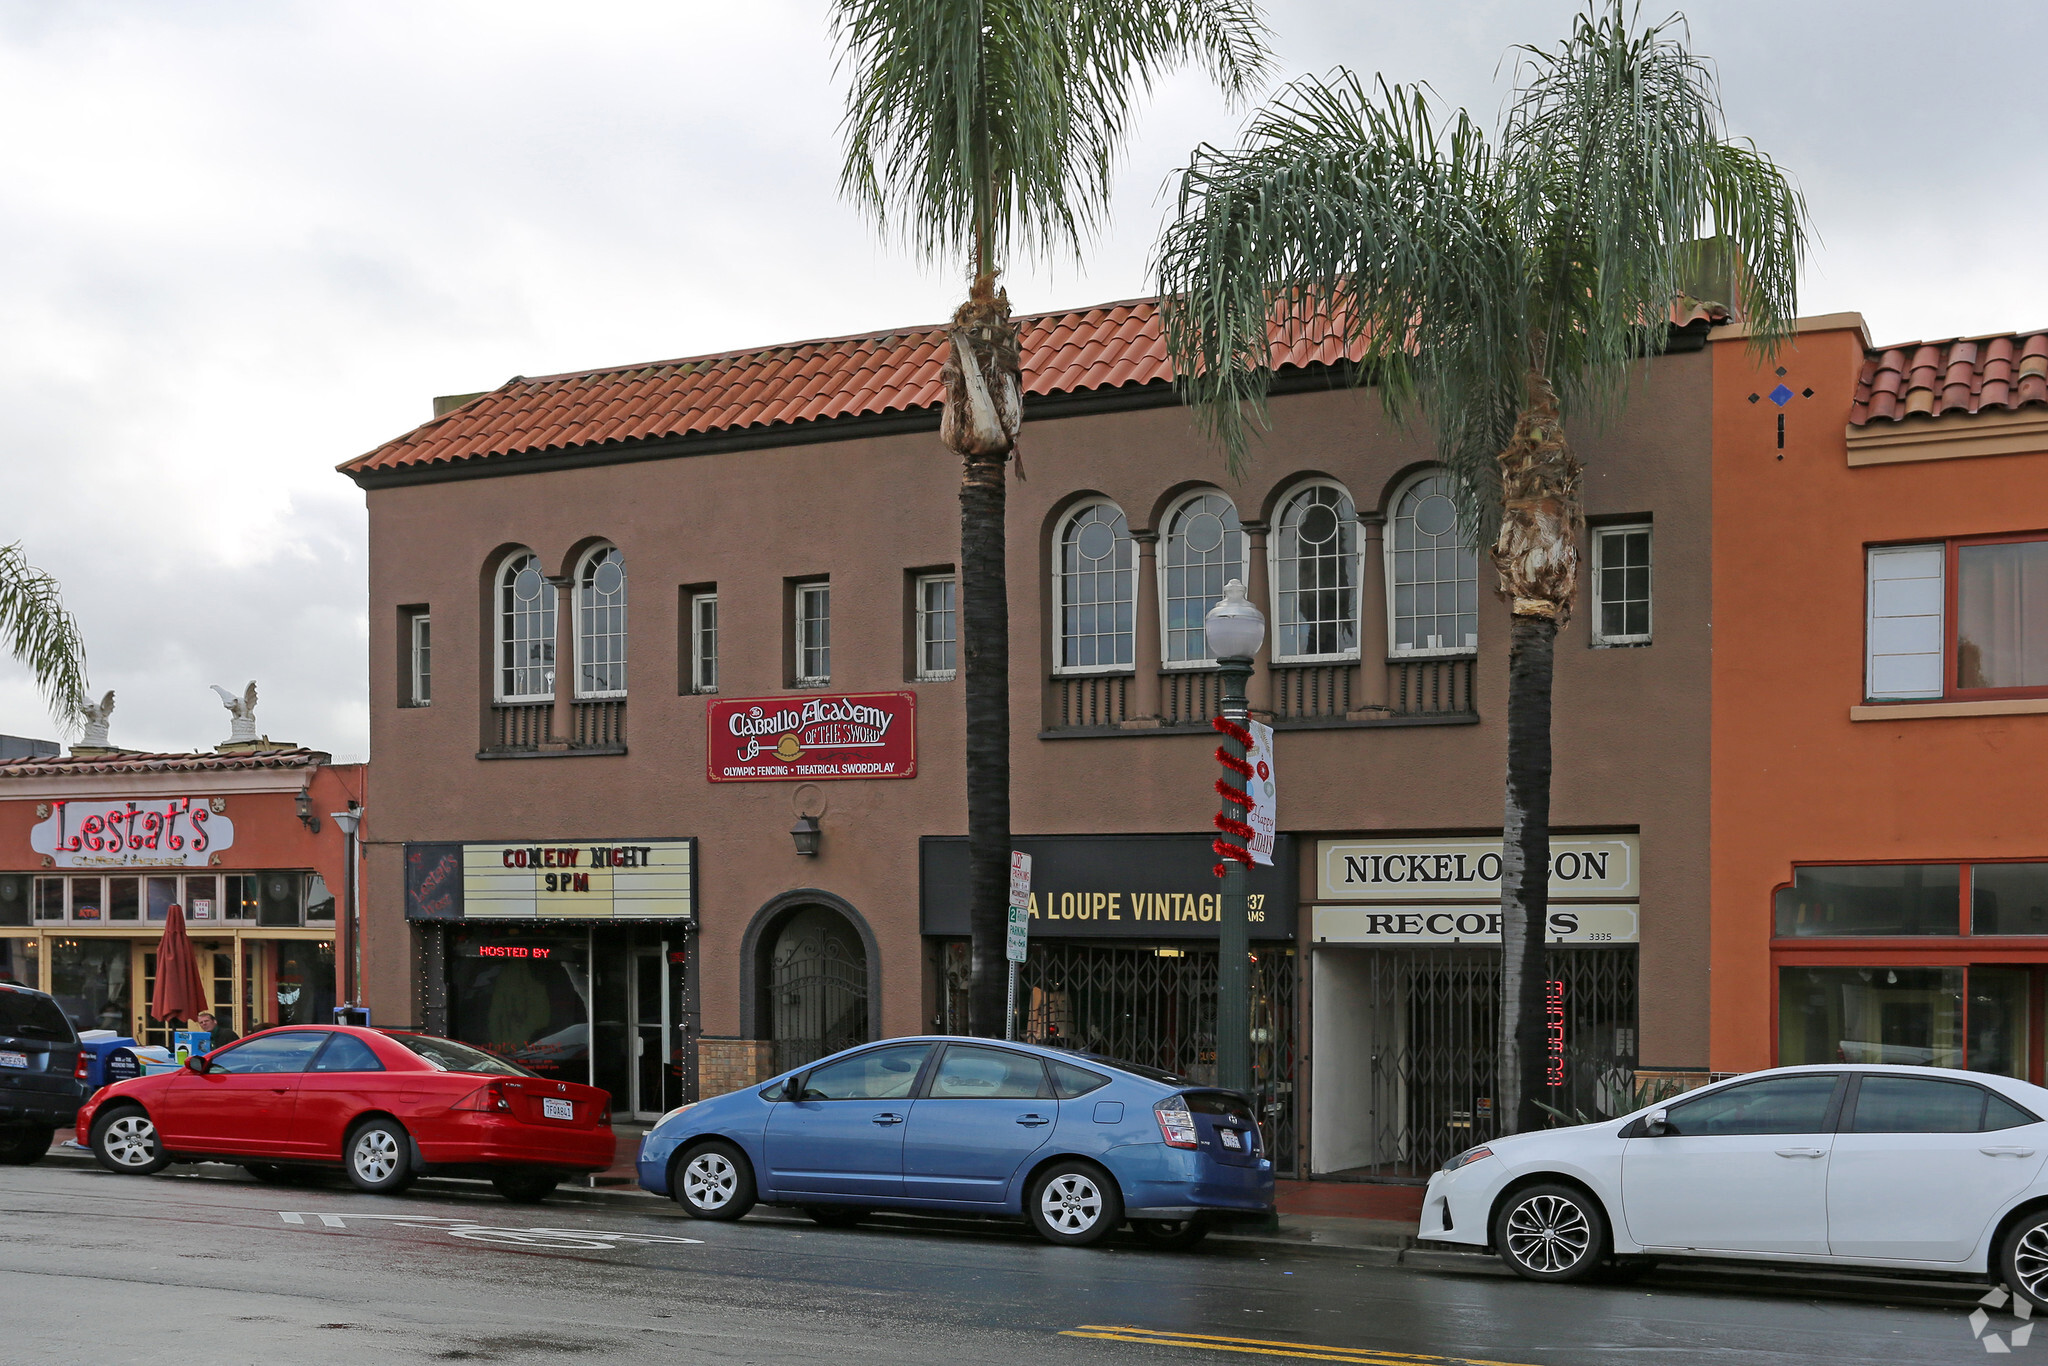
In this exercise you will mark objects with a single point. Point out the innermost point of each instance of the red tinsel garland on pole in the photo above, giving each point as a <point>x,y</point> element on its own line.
<point>1233,794</point>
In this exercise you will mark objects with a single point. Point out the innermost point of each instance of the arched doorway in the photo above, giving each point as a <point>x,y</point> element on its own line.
<point>815,975</point>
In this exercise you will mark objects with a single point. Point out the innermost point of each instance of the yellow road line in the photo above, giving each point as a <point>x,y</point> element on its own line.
<point>1312,1351</point>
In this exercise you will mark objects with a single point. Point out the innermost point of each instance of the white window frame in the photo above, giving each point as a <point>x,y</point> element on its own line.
<point>801,617</point>
<point>1876,632</point>
<point>500,637</point>
<point>923,638</point>
<point>1242,571</point>
<point>1395,651</point>
<point>1274,578</point>
<point>578,610</point>
<point>1059,591</point>
<point>420,674</point>
<point>703,663</point>
<point>1599,535</point>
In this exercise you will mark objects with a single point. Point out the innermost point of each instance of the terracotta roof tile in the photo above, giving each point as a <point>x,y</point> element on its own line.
<point>895,371</point>
<point>132,761</point>
<point>1962,375</point>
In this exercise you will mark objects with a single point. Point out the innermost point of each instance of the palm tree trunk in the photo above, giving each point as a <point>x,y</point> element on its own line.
<point>1537,557</point>
<point>982,415</point>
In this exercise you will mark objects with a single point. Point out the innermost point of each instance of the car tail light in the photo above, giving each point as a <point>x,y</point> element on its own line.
<point>1176,1125</point>
<point>78,1068</point>
<point>489,1098</point>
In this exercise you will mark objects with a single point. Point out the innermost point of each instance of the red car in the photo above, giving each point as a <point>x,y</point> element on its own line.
<point>387,1106</point>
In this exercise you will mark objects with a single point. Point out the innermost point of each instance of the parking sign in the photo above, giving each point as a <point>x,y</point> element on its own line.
<point>1020,908</point>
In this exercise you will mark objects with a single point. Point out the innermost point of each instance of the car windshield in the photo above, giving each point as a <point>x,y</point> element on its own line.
<point>451,1056</point>
<point>26,1015</point>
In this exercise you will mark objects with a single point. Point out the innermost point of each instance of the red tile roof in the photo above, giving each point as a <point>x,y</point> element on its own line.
<point>1966,375</point>
<point>837,377</point>
<point>130,761</point>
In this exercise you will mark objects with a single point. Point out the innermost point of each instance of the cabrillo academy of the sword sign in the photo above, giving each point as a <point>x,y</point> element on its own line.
<point>811,738</point>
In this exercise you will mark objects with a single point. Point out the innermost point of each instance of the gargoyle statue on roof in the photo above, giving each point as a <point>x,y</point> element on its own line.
<point>242,709</point>
<point>96,722</point>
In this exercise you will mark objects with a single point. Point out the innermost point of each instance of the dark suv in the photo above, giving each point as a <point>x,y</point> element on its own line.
<point>40,1083</point>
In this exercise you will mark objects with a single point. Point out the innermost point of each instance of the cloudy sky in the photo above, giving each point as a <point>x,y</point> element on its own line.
<point>244,240</point>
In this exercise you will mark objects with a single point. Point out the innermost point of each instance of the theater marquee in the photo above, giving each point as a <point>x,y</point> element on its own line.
<point>649,879</point>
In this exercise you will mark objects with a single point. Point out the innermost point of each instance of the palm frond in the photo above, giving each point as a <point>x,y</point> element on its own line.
<point>39,633</point>
<point>977,127</point>
<point>1361,213</point>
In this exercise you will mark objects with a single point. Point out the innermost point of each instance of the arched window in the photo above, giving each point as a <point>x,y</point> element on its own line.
<point>1203,550</point>
<point>1432,573</point>
<point>1095,585</point>
<point>526,630</point>
<point>1315,575</point>
<point>601,624</point>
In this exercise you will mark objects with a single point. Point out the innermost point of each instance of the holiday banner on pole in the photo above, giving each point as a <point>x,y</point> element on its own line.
<point>1263,814</point>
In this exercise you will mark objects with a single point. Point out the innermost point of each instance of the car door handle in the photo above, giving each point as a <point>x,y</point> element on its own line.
<point>888,1117</point>
<point>2006,1152</point>
<point>1032,1121</point>
<point>1802,1152</point>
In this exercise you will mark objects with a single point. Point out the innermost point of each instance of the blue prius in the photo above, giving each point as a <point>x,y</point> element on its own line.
<point>1074,1143</point>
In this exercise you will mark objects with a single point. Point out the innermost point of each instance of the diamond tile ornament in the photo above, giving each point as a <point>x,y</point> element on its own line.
<point>1781,396</point>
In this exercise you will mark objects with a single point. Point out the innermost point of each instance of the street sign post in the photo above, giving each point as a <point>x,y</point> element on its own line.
<point>1018,940</point>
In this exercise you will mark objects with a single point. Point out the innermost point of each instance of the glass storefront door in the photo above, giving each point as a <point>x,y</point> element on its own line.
<point>650,1011</point>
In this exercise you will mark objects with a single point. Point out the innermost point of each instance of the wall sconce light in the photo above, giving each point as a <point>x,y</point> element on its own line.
<point>305,804</point>
<point>807,835</point>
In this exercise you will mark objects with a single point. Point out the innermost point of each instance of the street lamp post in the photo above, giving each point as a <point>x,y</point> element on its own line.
<point>1234,630</point>
<point>349,820</point>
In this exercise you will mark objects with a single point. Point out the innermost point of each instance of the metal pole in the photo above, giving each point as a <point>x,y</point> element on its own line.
<point>355,928</point>
<point>1010,1010</point>
<point>1233,928</point>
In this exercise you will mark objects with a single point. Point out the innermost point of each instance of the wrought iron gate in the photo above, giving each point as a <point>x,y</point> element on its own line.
<point>1154,1006</point>
<point>1432,1022</point>
<point>819,995</point>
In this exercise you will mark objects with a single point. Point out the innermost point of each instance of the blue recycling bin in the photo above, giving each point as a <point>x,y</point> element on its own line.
<point>96,1051</point>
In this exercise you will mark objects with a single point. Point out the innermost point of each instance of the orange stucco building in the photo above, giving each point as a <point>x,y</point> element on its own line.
<point>1880,701</point>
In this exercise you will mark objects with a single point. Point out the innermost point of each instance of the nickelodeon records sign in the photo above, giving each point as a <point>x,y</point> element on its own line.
<point>811,737</point>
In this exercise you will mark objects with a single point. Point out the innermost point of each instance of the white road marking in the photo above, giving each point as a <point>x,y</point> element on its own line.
<point>470,1230</point>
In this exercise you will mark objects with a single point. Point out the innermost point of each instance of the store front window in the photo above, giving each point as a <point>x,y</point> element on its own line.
<point>92,979</point>
<point>525,997</point>
<point>20,962</point>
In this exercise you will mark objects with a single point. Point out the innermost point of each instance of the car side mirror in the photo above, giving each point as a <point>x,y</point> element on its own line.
<point>1656,1124</point>
<point>198,1065</point>
<point>793,1089</point>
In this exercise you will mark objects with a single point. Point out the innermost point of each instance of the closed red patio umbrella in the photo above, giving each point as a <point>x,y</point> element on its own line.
<point>180,994</point>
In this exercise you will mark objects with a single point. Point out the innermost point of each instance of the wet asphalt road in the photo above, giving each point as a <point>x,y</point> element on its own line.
<point>194,1269</point>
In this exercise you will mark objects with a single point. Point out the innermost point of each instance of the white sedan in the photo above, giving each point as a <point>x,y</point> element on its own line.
<point>1899,1167</point>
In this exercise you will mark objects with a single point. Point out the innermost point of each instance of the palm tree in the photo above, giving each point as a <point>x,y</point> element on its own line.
<point>974,128</point>
<point>39,633</point>
<point>1490,288</point>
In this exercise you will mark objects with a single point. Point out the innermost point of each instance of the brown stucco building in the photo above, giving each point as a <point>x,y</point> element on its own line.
<point>790,524</point>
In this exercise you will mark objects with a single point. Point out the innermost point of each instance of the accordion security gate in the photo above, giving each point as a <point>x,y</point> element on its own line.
<point>1146,1005</point>
<point>1432,1022</point>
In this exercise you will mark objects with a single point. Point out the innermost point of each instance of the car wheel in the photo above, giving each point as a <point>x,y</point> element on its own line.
<point>19,1147</point>
<point>714,1180</point>
<point>1172,1235</point>
<point>378,1157</point>
<point>1074,1204</point>
<point>124,1140</point>
<point>836,1216</point>
<point>2024,1258</point>
<point>1551,1233</point>
<point>523,1187</point>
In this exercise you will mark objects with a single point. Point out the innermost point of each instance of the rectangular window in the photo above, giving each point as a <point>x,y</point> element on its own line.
<point>202,899</point>
<point>937,629</point>
<point>2009,898</point>
<point>1886,899</point>
<point>2001,616</point>
<point>124,898</point>
<point>813,635</point>
<point>1621,585</point>
<point>704,642</point>
<point>1910,1015</point>
<point>1905,607</point>
<point>243,898</point>
<point>49,898</point>
<point>88,903</point>
<point>420,681</point>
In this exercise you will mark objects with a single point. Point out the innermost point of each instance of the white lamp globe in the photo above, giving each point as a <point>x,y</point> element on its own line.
<point>1234,628</point>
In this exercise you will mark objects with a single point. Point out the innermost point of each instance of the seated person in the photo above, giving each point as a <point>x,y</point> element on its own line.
<point>222,1036</point>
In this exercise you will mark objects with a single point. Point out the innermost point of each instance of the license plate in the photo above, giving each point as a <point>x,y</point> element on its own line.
<point>13,1060</point>
<point>558,1109</point>
<point>1231,1140</point>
